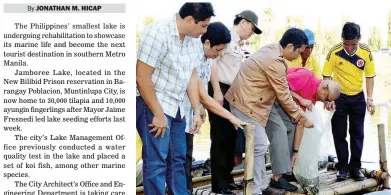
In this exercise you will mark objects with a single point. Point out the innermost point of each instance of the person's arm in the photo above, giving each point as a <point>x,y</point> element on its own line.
<point>214,80</point>
<point>194,97</point>
<point>303,102</point>
<point>298,135</point>
<point>299,131</point>
<point>149,56</point>
<point>146,87</point>
<point>370,74</point>
<point>212,105</point>
<point>276,74</point>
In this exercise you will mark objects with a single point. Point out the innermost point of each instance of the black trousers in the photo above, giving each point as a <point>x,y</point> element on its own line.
<point>223,137</point>
<point>355,107</point>
<point>189,160</point>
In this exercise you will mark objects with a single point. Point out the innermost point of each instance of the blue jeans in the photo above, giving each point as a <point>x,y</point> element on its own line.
<point>163,158</point>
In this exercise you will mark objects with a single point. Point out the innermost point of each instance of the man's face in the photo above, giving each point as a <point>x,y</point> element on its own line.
<point>351,45</point>
<point>247,29</point>
<point>323,94</point>
<point>213,52</point>
<point>291,53</point>
<point>308,50</point>
<point>196,30</point>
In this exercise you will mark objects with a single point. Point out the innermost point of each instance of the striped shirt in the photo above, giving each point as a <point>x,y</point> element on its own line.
<point>173,60</point>
<point>203,72</point>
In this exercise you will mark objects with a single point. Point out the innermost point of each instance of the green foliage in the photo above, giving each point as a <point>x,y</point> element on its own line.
<point>374,41</point>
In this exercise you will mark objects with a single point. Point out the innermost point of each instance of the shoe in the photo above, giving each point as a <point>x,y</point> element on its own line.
<point>357,175</point>
<point>290,177</point>
<point>273,191</point>
<point>342,175</point>
<point>282,183</point>
<point>226,191</point>
<point>234,186</point>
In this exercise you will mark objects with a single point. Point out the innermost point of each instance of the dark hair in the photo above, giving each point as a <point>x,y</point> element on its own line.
<point>294,36</point>
<point>217,33</point>
<point>199,11</point>
<point>351,31</point>
<point>237,20</point>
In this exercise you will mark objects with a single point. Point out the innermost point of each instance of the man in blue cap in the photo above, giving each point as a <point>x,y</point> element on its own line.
<point>307,60</point>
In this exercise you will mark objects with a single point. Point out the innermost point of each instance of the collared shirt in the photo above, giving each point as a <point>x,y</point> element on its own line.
<point>347,69</point>
<point>303,82</point>
<point>228,64</point>
<point>203,72</point>
<point>173,60</point>
<point>260,81</point>
<point>311,64</point>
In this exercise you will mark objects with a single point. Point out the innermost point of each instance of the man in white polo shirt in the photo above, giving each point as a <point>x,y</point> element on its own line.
<point>223,133</point>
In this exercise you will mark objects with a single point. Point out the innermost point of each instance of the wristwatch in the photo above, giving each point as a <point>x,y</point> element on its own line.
<point>196,112</point>
<point>295,151</point>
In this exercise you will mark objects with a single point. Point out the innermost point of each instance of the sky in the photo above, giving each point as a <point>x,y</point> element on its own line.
<point>367,14</point>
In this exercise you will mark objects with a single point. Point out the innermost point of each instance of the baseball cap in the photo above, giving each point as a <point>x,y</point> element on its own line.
<point>311,37</point>
<point>251,17</point>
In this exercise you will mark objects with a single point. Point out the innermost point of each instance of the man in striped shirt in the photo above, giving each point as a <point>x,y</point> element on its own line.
<point>168,55</point>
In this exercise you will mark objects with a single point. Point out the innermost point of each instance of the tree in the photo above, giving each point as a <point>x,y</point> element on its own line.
<point>319,38</point>
<point>148,20</point>
<point>331,39</point>
<point>389,30</point>
<point>255,43</point>
<point>278,34</point>
<point>374,41</point>
<point>294,22</point>
<point>267,35</point>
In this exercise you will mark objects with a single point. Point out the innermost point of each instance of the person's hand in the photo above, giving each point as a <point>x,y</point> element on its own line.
<point>203,115</point>
<point>159,125</point>
<point>294,157</point>
<point>370,106</point>
<point>330,106</point>
<point>237,123</point>
<point>197,122</point>
<point>306,103</point>
<point>218,96</point>
<point>309,123</point>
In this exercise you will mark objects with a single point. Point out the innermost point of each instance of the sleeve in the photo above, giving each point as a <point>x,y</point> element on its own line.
<point>369,68</point>
<point>153,46</point>
<point>276,75</point>
<point>316,67</point>
<point>328,65</point>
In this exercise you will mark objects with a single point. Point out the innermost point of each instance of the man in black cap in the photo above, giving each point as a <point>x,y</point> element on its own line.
<point>223,133</point>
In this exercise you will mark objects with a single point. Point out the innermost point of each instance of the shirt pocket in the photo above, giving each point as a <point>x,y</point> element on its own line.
<point>233,54</point>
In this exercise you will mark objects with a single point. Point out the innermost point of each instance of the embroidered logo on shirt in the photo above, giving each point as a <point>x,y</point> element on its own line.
<point>360,63</point>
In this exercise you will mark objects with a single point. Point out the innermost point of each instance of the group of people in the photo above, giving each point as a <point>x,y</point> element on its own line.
<point>186,65</point>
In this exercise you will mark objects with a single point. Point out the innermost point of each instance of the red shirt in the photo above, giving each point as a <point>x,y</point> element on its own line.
<point>303,82</point>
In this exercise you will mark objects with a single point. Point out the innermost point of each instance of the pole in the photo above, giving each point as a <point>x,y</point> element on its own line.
<point>249,132</point>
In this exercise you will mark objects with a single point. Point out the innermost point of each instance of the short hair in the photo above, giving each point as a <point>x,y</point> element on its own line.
<point>294,36</point>
<point>199,11</point>
<point>217,33</point>
<point>351,31</point>
<point>237,20</point>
